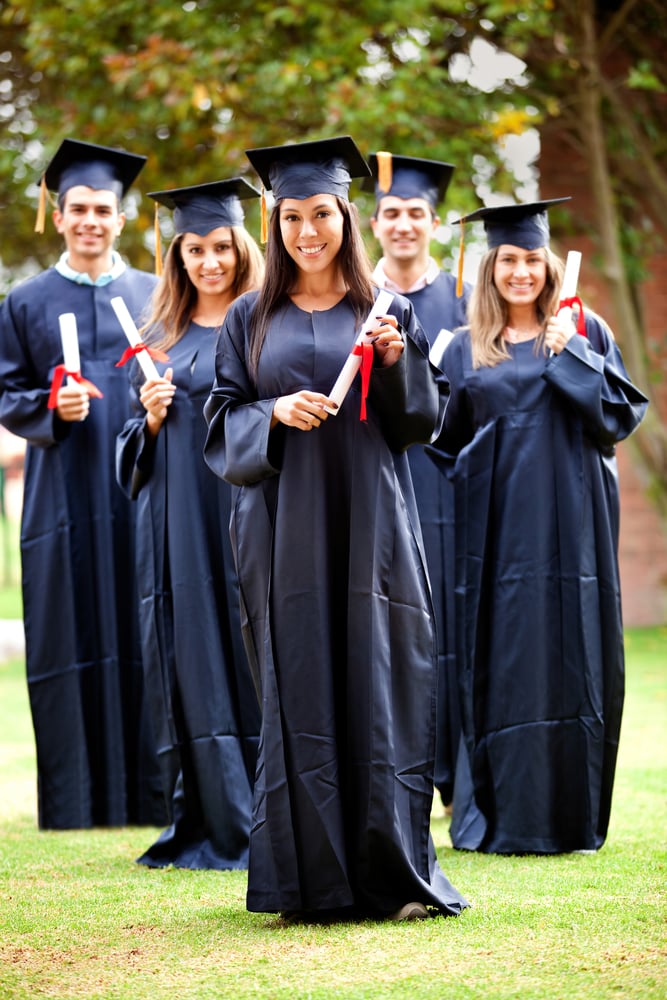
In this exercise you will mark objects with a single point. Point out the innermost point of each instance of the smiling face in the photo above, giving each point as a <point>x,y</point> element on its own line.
<point>312,231</point>
<point>404,228</point>
<point>519,275</point>
<point>90,221</point>
<point>210,261</point>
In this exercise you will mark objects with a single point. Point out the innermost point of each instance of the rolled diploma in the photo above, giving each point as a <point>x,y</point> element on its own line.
<point>353,361</point>
<point>439,345</point>
<point>570,280</point>
<point>132,334</point>
<point>70,341</point>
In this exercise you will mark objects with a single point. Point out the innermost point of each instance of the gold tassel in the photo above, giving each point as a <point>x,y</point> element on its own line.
<point>459,276</point>
<point>158,242</point>
<point>41,207</point>
<point>264,223</point>
<point>385,171</point>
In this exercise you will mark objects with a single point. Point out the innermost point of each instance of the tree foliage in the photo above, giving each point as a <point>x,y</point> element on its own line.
<point>194,84</point>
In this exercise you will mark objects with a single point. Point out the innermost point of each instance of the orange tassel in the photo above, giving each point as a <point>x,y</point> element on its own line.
<point>264,222</point>
<point>385,171</point>
<point>158,243</point>
<point>459,276</point>
<point>41,207</point>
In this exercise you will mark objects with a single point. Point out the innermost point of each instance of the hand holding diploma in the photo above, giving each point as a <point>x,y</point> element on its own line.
<point>362,352</point>
<point>137,348</point>
<point>72,400</point>
<point>156,397</point>
<point>559,328</point>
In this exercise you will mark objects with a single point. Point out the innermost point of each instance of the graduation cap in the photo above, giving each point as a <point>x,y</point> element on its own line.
<point>408,177</point>
<point>525,226</point>
<point>99,167</point>
<point>301,170</point>
<point>203,207</point>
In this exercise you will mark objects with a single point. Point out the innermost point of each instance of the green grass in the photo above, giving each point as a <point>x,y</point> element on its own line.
<point>78,919</point>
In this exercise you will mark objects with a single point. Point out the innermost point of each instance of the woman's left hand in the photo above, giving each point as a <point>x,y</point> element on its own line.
<point>558,332</point>
<point>387,341</point>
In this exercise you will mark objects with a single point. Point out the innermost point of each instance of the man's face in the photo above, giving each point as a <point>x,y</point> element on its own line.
<point>90,221</point>
<point>404,228</point>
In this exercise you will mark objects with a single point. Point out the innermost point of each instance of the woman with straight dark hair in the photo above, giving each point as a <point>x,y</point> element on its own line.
<point>334,592</point>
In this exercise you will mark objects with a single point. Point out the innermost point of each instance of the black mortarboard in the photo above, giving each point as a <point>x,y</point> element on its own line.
<point>301,170</point>
<point>408,177</point>
<point>93,166</point>
<point>203,207</point>
<point>525,226</point>
<point>98,167</point>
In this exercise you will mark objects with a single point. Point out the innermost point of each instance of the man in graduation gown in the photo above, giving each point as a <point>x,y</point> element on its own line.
<point>95,759</point>
<point>408,191</point>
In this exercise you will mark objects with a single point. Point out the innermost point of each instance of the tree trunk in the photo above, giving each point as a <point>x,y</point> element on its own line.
<point>651,438</point>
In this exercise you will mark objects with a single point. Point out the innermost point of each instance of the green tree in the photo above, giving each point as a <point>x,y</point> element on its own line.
<point>192,85</point>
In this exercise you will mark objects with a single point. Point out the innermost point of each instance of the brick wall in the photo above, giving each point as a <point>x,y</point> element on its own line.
<point>643,538</point>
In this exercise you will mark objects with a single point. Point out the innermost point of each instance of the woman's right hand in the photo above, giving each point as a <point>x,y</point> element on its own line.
<point>303,410</point>
<point>156,396</point>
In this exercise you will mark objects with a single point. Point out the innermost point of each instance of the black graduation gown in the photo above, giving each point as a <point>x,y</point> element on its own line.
<point>437,307</point>
<point>204,704</point>
<point>95,757</point>
<point>539,629</point>
<point>337,617</point>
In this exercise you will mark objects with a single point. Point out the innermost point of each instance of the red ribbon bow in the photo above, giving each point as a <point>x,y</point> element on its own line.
<point>133,350</point>
<point>581,322</point>
<point>365,351</point>
<point>59,373</point>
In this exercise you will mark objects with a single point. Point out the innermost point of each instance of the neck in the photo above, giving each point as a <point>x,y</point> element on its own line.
<point>405,273</point>
<point>212,313</point>
<point>326,287</point>
<point>92,266</point>
<point>522,324</point>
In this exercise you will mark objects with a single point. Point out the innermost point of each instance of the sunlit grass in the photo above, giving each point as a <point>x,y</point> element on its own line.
<point>81,920</point>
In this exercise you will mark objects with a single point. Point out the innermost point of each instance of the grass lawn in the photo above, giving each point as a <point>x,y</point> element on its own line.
<point>79,919</point>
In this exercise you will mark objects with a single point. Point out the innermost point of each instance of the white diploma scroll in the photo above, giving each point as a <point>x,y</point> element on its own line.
<point>347,373</point>
<point>70,341</point>
<point>132,334</point>
<point>439,344</point>
<point>570,281</point>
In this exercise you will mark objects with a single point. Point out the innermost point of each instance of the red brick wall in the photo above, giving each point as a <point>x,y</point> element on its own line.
<point>643,539</point>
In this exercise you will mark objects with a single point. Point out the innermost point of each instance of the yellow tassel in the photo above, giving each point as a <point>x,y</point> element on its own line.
<point>459,276</point>
<point>385,171</point>
<point>264,222</point>
<point>158,243</point>
<point>41,207</point>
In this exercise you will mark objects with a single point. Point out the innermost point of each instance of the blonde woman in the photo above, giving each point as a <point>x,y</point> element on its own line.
<point>535,411</point>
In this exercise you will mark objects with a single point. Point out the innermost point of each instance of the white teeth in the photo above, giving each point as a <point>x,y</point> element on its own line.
<point>312,250</point>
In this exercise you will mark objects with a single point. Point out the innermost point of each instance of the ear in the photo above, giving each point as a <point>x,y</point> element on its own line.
<point>435,223</point>
<point>121,223</point>
<point>57,217</point>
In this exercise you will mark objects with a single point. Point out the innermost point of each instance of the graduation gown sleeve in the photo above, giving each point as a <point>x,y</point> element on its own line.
<point>590,374</point>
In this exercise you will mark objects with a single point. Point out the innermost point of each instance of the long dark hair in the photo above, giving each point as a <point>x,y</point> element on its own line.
<point>281,274</point>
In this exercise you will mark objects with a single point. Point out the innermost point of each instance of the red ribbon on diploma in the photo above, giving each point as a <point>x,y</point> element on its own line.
<point>133,350</point>
<point>581,322</point>
<point>366,352</point>
<point>59,373</point>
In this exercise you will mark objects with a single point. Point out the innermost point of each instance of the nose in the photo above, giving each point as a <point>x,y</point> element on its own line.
<point>521,268</point>
<point>210,260</point>
<point>307,228</point>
